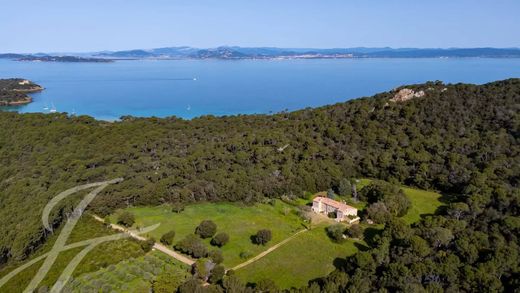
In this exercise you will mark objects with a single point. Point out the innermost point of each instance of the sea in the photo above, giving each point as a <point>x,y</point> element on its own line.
<point>193,88</point>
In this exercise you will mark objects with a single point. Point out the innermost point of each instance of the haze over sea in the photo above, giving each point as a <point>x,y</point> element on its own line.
<point>191,88</point>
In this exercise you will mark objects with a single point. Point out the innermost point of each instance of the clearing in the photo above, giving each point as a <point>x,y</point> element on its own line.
<point>240,222</point>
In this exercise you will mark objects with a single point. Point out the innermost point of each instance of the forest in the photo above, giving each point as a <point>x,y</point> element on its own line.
<point>459,139</point>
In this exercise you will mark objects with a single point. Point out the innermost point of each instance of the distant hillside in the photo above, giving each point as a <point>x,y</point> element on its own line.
<point>307,53</point>
<point>64,59</point>
<point>14,91</point>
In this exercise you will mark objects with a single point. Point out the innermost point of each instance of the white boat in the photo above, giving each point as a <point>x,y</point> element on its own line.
<point>53,109</point>
<point>189,108</point>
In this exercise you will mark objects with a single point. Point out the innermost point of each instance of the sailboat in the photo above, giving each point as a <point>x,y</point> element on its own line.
<point>189,108</point>
<point>53,109</point>
<point>46,108</point>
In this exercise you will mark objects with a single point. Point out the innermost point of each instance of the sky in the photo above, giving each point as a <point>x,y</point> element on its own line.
<point>32,26</point>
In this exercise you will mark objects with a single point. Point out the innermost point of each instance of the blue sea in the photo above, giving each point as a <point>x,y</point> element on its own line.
<point>191,88</point>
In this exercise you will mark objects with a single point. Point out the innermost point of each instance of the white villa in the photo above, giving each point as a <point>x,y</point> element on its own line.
<point>325,205</point>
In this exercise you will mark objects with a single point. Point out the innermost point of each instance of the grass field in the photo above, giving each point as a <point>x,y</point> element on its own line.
<point>423,202</point>
<point>310,255</point>
<point>240,222</point>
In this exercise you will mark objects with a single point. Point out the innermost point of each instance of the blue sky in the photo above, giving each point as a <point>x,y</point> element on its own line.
<point>89,25</point>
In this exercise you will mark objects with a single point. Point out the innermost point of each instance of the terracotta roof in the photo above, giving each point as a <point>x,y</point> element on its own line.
<point>336,204</point>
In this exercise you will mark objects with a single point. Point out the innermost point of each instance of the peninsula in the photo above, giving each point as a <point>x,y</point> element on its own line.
<point>14,91</point>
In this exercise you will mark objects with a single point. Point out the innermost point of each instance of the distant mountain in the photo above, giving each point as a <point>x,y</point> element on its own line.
<point>233,52</point>
<point>12,56</point>
<point>439,53</point>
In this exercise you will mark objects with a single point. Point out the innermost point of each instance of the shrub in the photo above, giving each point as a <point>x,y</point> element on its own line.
<point>177,208</point>
<point>147,245</point>
<point>217,274</point>
<point>245,254</point>
<point>167,238</point>
<point>216,256</point>
<point>220,239</point>
<point>192,245</point>
<point>126,219</point>
<point>355,231</point>
<point>206,229</point>
<point>266,285</point>
<point>336,232</point>
<point>262,237</point>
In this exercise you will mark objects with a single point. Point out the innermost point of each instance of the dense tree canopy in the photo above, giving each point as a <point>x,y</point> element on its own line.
<point>460,139</point>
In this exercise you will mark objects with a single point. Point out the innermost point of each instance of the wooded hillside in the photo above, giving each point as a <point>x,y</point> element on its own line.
<point>460,139</point>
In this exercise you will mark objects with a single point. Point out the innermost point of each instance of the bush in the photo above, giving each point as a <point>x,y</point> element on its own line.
<point>220,239</point>
<point>217,274</point>
<point>126,219</point>
<point>336,232</point>
<point>177,208</point>
<point>206,229</point>
<point>147,245</point>
<point>355,231</point>
<point>167,238</point>
<point>216,256</point>
<point>192,245</point>
<point>245,254</point>
<point>262,237</point>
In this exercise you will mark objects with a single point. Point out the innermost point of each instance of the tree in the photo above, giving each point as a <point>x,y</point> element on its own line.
<point>220,239</point>
<point>262,237</point>
<point>345,188</point>
<point>167,238</point>
<point>217,274</point>
<point>392,196</point>
<point>216,256</point>
<point>147,244</point>
<point>192,245</point>
<point>458,209</point>
<point>330,194</point>
<point>353,184</point>
<point>355,231</point>
<point>126,219</point>
<point>266,285</point>
<point>206,229</point>
<point>336,232</point>
<point>378,213</point>
<point>190,286</point>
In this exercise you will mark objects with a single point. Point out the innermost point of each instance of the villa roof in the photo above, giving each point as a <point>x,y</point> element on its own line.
<point>336,204</point>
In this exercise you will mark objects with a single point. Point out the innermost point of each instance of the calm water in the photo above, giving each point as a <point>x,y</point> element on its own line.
<point>189,88</point>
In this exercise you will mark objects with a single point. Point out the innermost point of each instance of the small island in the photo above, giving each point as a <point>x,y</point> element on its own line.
<point>14,91</point>
<point>64,59</point>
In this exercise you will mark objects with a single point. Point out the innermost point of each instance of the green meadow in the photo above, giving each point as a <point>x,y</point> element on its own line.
<point>239,221</point>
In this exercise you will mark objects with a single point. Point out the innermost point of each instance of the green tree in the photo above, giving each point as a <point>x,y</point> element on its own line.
<point>262,237</point>
<point>206,229</point>
<point>220,239</point>
<point>167,237</point>
<point>126,219</point>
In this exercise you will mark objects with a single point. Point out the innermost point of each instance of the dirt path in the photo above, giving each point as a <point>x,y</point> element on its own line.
<point>157,246</point>
<point>268,251</point>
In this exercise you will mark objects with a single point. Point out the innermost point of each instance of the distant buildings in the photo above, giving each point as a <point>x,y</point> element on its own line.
<point>344,212</point>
